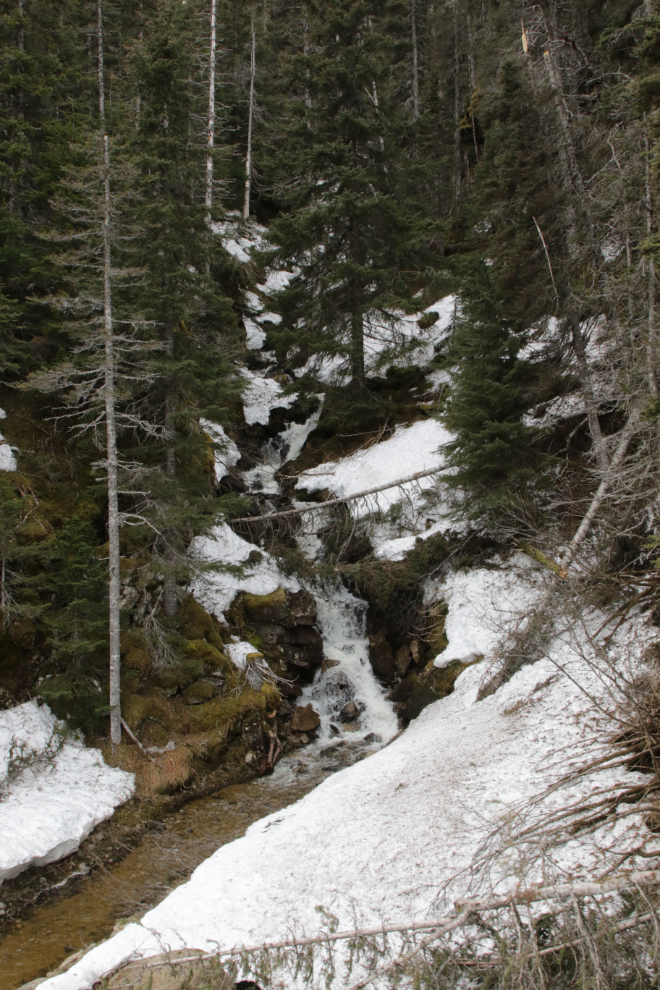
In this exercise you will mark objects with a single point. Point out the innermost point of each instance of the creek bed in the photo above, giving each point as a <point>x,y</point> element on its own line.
<point>88,911</point>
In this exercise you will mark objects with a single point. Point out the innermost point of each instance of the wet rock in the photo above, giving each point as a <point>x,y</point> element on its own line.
<point>350,712</point>
<point>271,633</point>
<point>289,689</point>
<point>304,738</point>
<point>303,608</point>
<point>328,665</point>
<point>334,729</point>
<point>352,726</point>
<point>304,647</point>
<point>285,710</point>
<point>305,719</point>
<point>373,737</point>
<point>380,656</point>
<point>271,608</point>
<point>402,660</point>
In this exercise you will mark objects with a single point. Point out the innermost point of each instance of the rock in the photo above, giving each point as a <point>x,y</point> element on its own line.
<point>271,633</point>
<point>305,719</point>
<point>380,656</point>
<point>372,737</point>
<point>352,726</point>
<point>334,729</point>
<point>267,608</point>
<point>304,647</point>
<point>289,689</point>
<point>349,712</point>
<point>402,660</point>
<point>293,741</point>
<point>328,665</point>
<point>416,651</point>
<point>199,692</point>
<point>304,738</point>
<point>285,709</point>
<point>302,608</point>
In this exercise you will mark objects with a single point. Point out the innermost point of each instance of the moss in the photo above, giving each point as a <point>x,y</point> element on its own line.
<point>199,692</point>
<point>130,682</point>
<point>211,659</point>
<point>196,624</point>
<point>135,653</point>
<point>171,713</point>
<point>217,714</point>
<point>417,691</point>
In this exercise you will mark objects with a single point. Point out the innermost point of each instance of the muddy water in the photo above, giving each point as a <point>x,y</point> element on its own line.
<point>87,912</point>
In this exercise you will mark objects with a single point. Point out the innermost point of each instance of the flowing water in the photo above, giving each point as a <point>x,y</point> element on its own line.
<point>88,908</point>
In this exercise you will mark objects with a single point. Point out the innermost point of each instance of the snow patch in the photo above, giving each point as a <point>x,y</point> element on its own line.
<point>228,455</point>
<point>53,791</point>
<point>254,335</point>
<point>215,589</point>
<point>261,396</point>
<point>412,449</point>
<point>7,459</point>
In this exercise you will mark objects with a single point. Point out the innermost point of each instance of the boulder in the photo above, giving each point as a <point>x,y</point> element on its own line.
<point>328,665</point>
<point>267,608</point>
<point>302,608</point>
<point>349,712</point>
<point>303,647</point>
<point>200,691</point>
<point>304,719</point>
<point>380,656</point>
<point>352,726</point>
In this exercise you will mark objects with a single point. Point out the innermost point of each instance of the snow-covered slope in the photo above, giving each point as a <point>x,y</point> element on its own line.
<point>53,791</point>
<point>395,836</point>
<point>7,459</point>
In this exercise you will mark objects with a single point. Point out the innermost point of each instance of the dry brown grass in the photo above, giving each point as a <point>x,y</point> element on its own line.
<point>164,772</point>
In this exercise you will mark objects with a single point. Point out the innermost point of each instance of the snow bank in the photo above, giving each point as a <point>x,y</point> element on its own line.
<point>395,836</point>
<point>215,590</point>
<point>412,449</point>
<point>7,459</point>
<point>261,396</point>
<point>228,456</point>
<point>53,791</point>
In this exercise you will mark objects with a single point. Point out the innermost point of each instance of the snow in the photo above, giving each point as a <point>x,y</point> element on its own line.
<point>481,605</point>
<point>380,335</point>
<point>276,282</point>
<point>254,335</point>
<point>396,836</point>
<point>261,396</point>
<point>216,589</point>
<point>410,450</point>
<point>254,302</point>
<point>7,459</point>
<point>286,446</point>
<point>53,791</point>
<point>396,548</point>
<point>228,455</point>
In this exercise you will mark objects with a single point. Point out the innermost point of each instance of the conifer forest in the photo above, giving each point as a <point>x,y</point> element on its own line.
<point>329,494</point>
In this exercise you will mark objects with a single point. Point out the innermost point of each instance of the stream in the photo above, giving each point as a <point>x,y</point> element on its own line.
<point>88,907</point>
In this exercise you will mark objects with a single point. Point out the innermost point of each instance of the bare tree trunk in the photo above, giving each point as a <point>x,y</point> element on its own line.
<point>110,424</point>
<point>652,339</point>
<point>458,159</point>
<point>210,133</point>
<point>589,396</point>
<point>111,444</point>
<point>248,157</point>
<point>415,79</point>
<point>170,602</point>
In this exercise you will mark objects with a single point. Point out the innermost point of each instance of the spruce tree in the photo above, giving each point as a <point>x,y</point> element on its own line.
<point>353,231</point>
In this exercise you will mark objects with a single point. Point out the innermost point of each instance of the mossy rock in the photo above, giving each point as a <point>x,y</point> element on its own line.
<point>195,624</point>
<point>267,608</point>
<point>428,320</point>
<point>130,681</point>
<point>170,713</point>
<point>417,691</point>
<point>199,692</point>
<point>214,715</point>
<point>167,680</point>
<point>212,659</point>
<point>135,653</point>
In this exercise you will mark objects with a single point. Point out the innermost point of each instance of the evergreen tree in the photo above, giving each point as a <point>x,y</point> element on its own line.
<point>356,236</point>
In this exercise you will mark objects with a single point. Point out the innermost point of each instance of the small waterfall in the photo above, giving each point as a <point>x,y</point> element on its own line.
<point>341,618</point>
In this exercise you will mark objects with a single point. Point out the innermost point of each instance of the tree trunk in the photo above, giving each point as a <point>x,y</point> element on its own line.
<point>111,444</point>
<point>458,159</point>
<point>170,602</point>
<point>114,586</point>
<point>473,85</point>
<point>415,79</point>
<point>248,157</point>
<point>652,339</point>
<point>210,133</point>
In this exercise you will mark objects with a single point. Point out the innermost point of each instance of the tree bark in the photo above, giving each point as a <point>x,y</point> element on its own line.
<point>415,79</point>
<point>458,160</point>
<point>248,157</point>
<point>652,338</point>
<point>111,445</point>
<point>210,133</point>
<point>114,586</point>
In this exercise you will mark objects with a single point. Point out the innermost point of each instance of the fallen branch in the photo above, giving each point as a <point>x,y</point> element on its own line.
<point>137,742</point>
<point>438,927</point>
<point>317,506</point>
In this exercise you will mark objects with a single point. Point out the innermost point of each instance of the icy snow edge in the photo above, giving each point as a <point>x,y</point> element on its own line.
<point>53,791</point>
